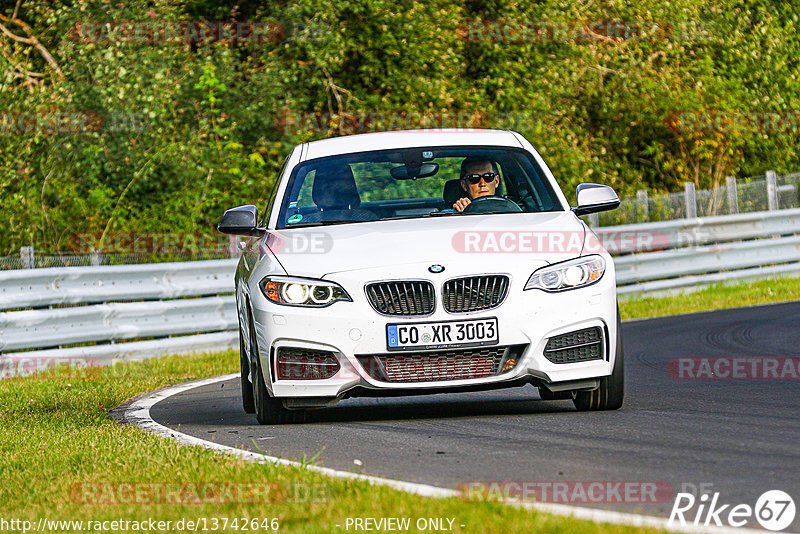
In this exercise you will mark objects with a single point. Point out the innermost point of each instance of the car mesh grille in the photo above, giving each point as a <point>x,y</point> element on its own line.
<point>441,365</point>
<point>404,297</point>
<point>294,363</point>
<point>578,346</point>
<point>474,293</point>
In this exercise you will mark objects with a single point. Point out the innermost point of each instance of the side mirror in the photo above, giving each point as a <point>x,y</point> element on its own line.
<point>241,220</point>
<point>593,198</point>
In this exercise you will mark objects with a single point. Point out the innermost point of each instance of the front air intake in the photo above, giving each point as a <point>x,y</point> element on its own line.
<point>578,346</point>
<point>432,366</point>
<point>293,363</point>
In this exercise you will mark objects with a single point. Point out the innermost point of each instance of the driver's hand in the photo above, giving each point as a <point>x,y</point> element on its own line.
<point>461,204</point>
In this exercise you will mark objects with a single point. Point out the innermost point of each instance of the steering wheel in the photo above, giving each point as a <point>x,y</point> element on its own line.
<point>492,204</point>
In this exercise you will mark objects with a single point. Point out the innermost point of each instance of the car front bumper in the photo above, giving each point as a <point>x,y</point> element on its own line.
<point>351,329</point>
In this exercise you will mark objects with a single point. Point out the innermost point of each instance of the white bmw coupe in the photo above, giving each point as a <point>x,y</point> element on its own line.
<point>402,263</point>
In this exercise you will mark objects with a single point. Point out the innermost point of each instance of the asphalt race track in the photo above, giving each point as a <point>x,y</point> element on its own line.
<point>739,437</point>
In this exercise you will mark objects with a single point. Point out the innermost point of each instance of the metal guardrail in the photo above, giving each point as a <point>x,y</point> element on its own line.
<point>25,363</point>
<point>115,321</point>
<point>630,238</point>
<point>188,306</point>
<point>671,264</point>
<point>692,282</point>
<point>82,285</point>
<point>665,257</point>
<point>771,191</point>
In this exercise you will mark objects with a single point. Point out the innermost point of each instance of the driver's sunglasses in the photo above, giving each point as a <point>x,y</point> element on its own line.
<point>474,179</point>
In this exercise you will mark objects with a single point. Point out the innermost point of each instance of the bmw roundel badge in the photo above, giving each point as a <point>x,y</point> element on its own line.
<point>436,268</point>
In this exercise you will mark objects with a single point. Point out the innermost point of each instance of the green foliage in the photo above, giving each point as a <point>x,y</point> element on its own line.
<point>169,134</point>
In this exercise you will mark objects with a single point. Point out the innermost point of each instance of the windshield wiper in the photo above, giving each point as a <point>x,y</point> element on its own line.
<point>319,223</point>
<point>421,215</point>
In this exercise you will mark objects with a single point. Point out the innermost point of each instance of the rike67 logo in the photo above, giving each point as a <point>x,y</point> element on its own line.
<point>774,510</point>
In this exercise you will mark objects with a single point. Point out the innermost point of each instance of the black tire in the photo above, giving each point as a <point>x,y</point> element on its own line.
<point>247,387</point>
<point>269,410</point>
<point>612,388</point>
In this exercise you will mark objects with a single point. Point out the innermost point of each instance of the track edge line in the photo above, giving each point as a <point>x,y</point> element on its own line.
<point>136,411</point>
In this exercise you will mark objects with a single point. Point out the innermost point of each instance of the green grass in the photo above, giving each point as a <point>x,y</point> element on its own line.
<point>63,457</point>
<point>714,297</point>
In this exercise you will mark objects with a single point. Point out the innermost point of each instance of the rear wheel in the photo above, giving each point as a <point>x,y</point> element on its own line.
<point>268,409</point>
<point>612,388</point>
<point>247,387</point>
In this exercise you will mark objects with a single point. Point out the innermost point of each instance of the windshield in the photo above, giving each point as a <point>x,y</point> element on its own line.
<point>413,183</point>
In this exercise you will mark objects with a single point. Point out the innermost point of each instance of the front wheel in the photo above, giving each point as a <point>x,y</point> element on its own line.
<point>612,388</point>
<point>247,387</point>
<point>269,410</point>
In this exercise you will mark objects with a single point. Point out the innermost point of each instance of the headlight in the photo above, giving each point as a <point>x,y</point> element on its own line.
<point>570,274</point>
<point>302,291</point>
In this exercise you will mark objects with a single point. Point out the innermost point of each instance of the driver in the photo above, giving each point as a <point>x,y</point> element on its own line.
<point>479,178</point>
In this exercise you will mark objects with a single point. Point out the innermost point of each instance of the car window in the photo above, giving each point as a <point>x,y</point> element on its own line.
<point>375,182</point>
<point>416,182</point>
<point>304,198</point>
<point>271,201</point>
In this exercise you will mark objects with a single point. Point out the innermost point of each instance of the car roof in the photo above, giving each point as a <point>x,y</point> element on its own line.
<point>348,144</point>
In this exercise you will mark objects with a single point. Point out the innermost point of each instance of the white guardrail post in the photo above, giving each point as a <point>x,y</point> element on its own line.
<point>733,194</point>
<point>26,255</point>
<point>690,199</point>
<point>772,191</point>
<point>641,196</point>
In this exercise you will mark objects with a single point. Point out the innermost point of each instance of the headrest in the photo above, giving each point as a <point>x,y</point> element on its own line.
<point>452,192</point>
<point>335,187</point>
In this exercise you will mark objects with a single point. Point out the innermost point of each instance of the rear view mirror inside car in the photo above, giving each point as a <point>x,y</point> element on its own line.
<point>406,172</point>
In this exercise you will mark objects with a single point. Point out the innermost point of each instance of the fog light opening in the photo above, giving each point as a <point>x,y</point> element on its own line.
<point>509,364</point>
<point>305,364</point>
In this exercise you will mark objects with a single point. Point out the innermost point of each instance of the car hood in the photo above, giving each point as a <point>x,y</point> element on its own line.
<point>461,244</point>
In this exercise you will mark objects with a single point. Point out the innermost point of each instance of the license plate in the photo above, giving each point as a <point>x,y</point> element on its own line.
<point>435,335</point>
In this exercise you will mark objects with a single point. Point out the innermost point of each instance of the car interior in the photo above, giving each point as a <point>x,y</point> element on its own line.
<point>406,184</point>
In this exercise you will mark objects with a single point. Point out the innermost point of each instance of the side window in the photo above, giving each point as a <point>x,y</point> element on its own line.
<point>304,198</point>
<point>501,184</point>
<point>271,201</point>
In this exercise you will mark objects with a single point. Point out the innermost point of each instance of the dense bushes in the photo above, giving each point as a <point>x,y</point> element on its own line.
<point>170,133</point>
